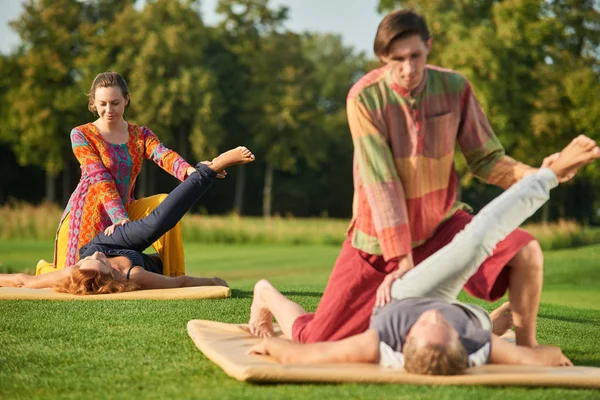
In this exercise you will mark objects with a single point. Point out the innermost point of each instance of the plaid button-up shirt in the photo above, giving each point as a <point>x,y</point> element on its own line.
<point>404,142</point>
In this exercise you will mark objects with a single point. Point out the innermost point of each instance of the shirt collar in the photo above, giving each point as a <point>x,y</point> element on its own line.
<point>402,91</point>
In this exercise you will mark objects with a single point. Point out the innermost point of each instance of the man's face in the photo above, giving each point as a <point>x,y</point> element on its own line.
<point>431,328</point>
<point>407,58</point>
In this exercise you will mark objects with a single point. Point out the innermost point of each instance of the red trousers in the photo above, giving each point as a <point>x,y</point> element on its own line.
<point>347,303</point>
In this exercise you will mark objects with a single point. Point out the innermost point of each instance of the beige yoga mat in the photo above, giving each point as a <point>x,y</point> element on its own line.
<point>226,346</point>
<point>198,292</point>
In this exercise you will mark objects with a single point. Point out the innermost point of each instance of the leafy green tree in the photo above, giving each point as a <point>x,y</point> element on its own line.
<point>279,106</point>
<point>336,67</point>
<point>45,102</point>
<point>162,56</point>
<point>42,102</point>
<point>240,36</point>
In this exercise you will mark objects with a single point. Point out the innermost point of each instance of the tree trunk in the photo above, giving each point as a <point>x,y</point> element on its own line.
<point>268,191</point>
<point>240,186</point>
<point>50,187</point>
<point>561,211</point>
<point>545,213</point>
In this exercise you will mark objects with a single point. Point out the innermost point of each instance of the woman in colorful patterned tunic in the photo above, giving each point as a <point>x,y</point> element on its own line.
<point>111,151</point>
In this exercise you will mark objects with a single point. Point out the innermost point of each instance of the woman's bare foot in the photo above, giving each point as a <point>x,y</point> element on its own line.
<point>581,151</point>
<point>219,282</point>
<point>501,319</point>
<point>261,319</point>
<point>239,155</point>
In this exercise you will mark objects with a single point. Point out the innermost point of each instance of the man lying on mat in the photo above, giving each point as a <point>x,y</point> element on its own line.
<point>424,328</point>
<point>116,263</point>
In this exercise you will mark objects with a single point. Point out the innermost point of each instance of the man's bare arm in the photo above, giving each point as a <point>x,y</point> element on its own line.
<point>362,348</point>
<point>503,352</point>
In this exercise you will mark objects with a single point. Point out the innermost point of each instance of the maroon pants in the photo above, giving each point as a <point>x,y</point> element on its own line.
<point>346,306</point>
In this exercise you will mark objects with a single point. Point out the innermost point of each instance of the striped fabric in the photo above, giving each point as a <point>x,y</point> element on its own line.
<point>108,175</point>
<point>404,177</point>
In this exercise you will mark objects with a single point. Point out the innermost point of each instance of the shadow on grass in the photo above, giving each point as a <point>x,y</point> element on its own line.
<point>576,319</point>
<point>581,358</point>
<point>247,294</point>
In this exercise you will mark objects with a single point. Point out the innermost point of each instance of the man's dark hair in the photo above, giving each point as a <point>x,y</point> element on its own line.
<point>398,25</point>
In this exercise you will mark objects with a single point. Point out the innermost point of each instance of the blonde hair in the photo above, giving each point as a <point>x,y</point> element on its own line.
<point>450,359</point>
<point>107,79</point>
<point>87,281</point>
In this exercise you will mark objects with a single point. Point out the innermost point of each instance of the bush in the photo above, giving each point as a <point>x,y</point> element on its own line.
<point>23,221</point>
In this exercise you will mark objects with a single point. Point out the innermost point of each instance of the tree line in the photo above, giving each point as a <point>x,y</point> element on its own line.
<point>534,65</point>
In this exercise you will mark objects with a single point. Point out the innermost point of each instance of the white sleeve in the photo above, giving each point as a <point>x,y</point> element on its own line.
<point>390,358</point>
<point>480,357</point>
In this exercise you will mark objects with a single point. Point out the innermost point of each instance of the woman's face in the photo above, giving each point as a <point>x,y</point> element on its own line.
<point>110,103</point>
<point>96,261</point>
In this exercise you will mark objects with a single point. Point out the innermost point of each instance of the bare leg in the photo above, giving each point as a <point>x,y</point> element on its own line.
<point>501,319</point>
<point>267,303</point>
<point>581,151</point>
<point>239,155</point>
<point>526,268</point>
<point>525,290</point>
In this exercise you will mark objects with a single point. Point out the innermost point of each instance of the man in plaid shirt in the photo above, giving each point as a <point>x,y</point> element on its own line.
<point>406,119</point>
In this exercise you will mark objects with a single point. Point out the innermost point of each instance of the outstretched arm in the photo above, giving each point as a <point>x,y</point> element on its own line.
<point>482,149</point>
<point>165,158</point>
<point>149,280</point>
<point>503,352</point>
<point>35,281</point>
<point>362,348</point>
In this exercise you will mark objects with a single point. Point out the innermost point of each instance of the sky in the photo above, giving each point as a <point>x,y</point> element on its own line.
<point>355,20</point>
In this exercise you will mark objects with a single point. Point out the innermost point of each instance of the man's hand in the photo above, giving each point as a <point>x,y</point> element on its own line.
<point>384,295</point>
<point>548,161</point>
<point>259,348</point>
<point>109,231</point>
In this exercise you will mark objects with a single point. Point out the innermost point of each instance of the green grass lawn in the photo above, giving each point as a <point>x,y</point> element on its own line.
<point>140,349</point>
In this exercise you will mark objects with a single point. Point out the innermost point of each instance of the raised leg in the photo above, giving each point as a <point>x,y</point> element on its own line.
<point>139,235</point>
<point>526,273</point>
<point>445,272</point>
<point>267,303</point>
